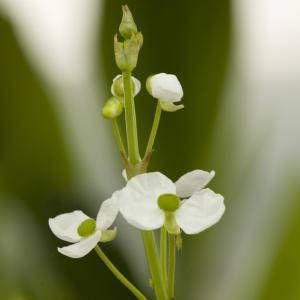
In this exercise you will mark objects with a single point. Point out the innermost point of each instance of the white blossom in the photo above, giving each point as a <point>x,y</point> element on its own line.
<point>138,201</point>
<point>165,87</point>
<point>67,227</point>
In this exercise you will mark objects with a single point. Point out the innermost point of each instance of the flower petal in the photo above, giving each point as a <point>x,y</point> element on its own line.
<point>136,82</point>
<point>83,247</point>
<point>201,211</point>
<point>138,200</point>
<point>65,226</point>
<point>166,87</point>
<point>124,175</point>
<point>193,181</point>
<point>108,212</point>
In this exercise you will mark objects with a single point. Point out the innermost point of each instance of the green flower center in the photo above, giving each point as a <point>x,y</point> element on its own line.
<point>87,227</point>
<point>168,202</point>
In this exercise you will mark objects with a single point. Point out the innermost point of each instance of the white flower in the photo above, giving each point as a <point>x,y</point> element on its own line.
<point>84,232</point>
<point>165,87</point>
<point>150,201</point>
<point>117,88</point>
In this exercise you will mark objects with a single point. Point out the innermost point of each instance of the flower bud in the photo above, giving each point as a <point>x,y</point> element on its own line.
<point>112,109</point>
<point>127,27</point>
<point>117,88</point>
<point>87,227</point>
<point>108,235</point>
<point>164,87</point>
<point>127,52</point>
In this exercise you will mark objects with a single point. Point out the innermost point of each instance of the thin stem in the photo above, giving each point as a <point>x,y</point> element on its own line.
<point>118,137</point>
<point>172,263</point>
<point>154,266</point>
<point>119,275</point>
<point>130,117</point>
<point>153,130</point>
<point>163,252</point>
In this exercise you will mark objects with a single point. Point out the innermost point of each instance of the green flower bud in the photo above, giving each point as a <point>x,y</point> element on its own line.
<point>87,227</point>
<point>126,53</point>
<point>127,27</point>
<point>112,109</point>
<point>168,202</point>
<point>108,235</point>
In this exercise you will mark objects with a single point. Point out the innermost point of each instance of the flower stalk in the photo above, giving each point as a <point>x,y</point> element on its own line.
<point>153,130</point>
<point>130,119</point>
<point>118,274</point>
<point>172,265</point>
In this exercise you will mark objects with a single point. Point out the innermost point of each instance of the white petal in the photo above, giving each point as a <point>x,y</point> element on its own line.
<point>65,226</point>
<point>108,212</point>
<point>83,247</point>
<point>124,175</point>
<point>136,82</point>
<point>193,181</point>
<point>201,211</point>
<point>137,86</point>
<point>166,87</point>
<point>138,200</point>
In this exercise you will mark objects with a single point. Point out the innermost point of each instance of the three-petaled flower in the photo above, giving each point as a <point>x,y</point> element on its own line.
<point>83,232</point>
<point>151,200</point>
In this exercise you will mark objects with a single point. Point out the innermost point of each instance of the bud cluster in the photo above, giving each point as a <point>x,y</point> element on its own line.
<point>127,51</point>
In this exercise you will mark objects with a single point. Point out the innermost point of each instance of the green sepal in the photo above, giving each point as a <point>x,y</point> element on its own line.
<point>127,52</point>
<point>169,106</point>
<point>108,235</point>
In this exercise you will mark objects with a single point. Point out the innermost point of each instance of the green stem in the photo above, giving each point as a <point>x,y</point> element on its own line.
<point>172,262</point>
<point>163,253</point>
<point>153,130</point>
<point>154,266</point>
<point>119,275</point>
<point>118,137</point>
<point>130,117</point>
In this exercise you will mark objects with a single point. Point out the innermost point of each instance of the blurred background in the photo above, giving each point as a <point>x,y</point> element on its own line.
<point>239,64</point>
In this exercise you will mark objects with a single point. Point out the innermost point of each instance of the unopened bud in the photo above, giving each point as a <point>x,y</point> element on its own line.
<point>165,87</point>
<point>112,109</point>
<point>117,87</point>
<point>127,27</point>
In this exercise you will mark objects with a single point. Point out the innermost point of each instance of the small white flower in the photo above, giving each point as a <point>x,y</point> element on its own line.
<point>117,88</point>
<point>84,232</point>
<point>151,200</point>
<point>165,87</point>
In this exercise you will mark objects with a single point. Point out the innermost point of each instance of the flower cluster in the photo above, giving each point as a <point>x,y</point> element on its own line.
<point>148,201</point>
